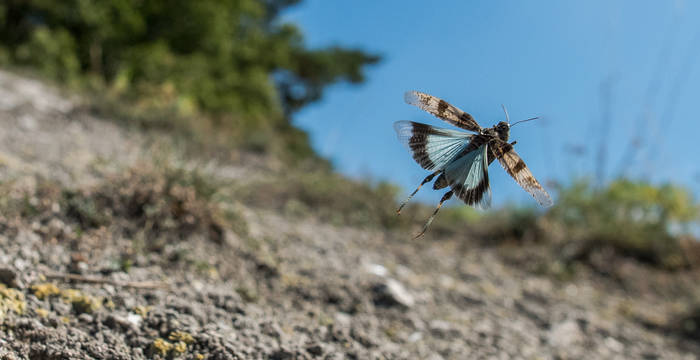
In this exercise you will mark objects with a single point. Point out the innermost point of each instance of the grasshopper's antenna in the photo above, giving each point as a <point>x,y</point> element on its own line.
<point>530,119</point>
<point>506,111</point>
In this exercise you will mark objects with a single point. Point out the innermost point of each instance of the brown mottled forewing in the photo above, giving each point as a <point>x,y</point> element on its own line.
<point>515,167</point>
<point>442,110</point>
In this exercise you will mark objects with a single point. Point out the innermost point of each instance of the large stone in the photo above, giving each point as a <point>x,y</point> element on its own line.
<point>392,293</point>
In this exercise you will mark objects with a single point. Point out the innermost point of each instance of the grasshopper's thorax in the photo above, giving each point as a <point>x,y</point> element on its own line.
<point>501,131</point>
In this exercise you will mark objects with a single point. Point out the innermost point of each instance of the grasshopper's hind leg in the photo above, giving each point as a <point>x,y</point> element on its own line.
<point>445,197</point>
<point>426,180</point>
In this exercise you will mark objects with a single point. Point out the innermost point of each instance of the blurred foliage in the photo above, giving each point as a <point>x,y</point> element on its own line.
<point>164,202</point>
<point>233,60</point>
<point>688,323</point>
<point>648,222</point>
<point>457,219</point>
<point>634,219</point>
<point>653,224</point>
<point>327,195</point>
<point>512,225</point>
<point>160,204</point>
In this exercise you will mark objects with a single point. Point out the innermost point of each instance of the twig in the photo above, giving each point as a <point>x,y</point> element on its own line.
<point>101,280</point>
<point>606,98</point>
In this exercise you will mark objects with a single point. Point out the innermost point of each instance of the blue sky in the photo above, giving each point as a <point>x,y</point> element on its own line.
<point>554,59</point>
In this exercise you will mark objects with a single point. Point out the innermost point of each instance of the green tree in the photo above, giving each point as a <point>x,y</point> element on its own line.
<point>231,59</point>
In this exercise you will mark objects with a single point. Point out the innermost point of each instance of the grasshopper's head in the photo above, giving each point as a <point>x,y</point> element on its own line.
<point>503,130</point>
<point>503,127</point>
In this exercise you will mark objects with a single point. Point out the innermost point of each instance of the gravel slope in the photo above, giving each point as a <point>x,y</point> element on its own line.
<point>288,287</point>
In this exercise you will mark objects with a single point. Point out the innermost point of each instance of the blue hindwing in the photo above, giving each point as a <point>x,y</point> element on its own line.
<point>432,148</point>
<point>469,178</point>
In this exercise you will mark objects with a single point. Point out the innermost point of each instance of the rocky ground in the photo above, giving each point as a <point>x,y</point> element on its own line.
<point>280,286</point>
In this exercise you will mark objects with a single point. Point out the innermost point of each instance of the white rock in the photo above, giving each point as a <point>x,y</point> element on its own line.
<point>134,319</point>
<point>614,345</point>
<point>565,334</point>
<point>416,336</point>
<point>399,293</point>
<point>376,269</point>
